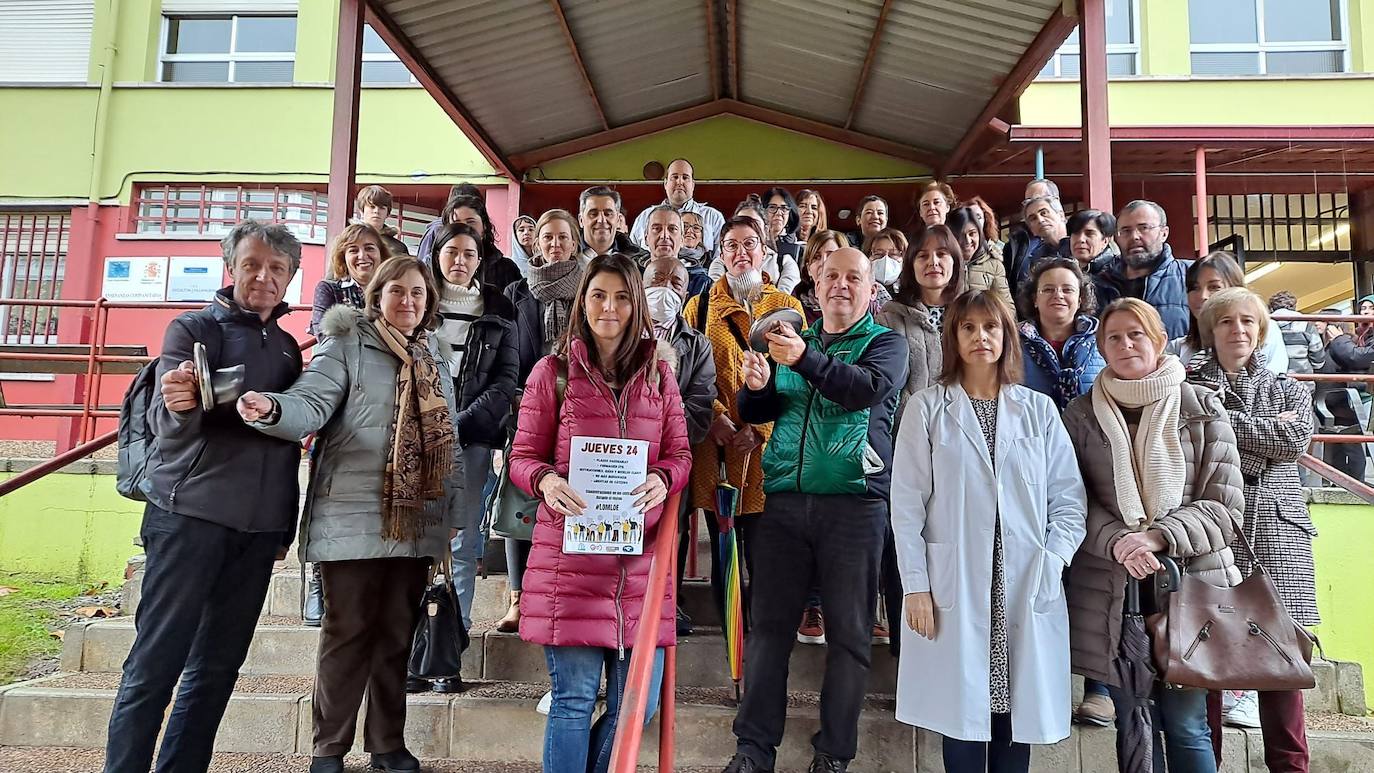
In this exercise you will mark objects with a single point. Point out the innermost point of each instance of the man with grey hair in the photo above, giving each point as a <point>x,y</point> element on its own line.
<point>598,210</point>
<point>1146,268</point>
<point>221,507</point>
<point>1024,246</point>
<point>680,185</point>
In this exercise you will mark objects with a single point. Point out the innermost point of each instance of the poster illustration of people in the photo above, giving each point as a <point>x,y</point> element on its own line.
<point>604,471</point>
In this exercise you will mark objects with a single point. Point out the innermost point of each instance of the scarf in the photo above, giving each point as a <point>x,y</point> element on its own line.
<point>1149,474</point>
<point>1064,369</point>
<point>422,442</point>
<point>746,289</point>
<point>554,285</point>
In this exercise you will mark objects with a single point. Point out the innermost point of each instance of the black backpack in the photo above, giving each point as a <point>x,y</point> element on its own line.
<point>135,436</point>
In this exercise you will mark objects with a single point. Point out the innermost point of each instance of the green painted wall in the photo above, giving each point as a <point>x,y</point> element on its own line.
<point>1345,577</point>
<point>1233,102</point>
<point>1164,37</point>
<point>69,526</point>
<point>732,148</point>
<point>248,134</point>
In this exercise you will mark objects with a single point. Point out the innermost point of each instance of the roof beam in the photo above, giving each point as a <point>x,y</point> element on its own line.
<point>557,7</point>
<point>712,49</point>
<point>734,107</point>
<point>391,34</point>
<point>868,62</point>
<point>732,32</point>
<point>1248,135</point>
<point>1046,42</point>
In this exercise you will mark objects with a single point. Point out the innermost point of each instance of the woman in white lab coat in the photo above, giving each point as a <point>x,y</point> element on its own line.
<point>988,508</point>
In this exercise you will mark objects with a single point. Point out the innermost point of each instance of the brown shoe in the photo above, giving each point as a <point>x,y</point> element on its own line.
<point>812,628</point>
<point>1096,710</point>
<point>511,622</point>
<point>881,634</point>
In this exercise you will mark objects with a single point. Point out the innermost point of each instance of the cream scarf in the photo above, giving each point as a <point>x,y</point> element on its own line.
<point>1150,474</point>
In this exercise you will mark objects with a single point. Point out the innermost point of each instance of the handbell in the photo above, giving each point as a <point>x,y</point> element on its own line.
<point>216,387</point>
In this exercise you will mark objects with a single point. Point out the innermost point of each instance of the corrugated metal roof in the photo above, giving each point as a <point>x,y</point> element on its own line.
<point>510,64</point>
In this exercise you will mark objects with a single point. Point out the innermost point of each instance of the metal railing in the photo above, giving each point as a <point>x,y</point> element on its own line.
<point>629,729</point>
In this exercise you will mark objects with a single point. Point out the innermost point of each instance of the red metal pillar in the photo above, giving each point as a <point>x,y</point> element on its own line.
<point>1092,84</point>
<point>513,201</point>
<point>343,138</point>
<point>1200,196</point>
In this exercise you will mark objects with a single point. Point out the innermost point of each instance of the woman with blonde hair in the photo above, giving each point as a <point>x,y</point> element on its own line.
<point>811,215</point>
<point>353,255</point>
<point>1159,460</point>
<point>1272,418</point>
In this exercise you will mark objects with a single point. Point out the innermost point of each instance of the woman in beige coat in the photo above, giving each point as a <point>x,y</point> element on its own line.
<point>1143,422</point>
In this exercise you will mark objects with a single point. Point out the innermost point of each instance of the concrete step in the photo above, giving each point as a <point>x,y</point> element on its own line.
<point>497,722</point>
<point>64,759</point>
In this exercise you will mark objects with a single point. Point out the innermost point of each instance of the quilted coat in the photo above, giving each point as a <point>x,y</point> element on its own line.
<point>725,317</point>
<point>1277,523</point>
<point>1199,532</point>
<point>575,600</point>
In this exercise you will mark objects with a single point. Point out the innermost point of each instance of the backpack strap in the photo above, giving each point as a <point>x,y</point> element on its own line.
<point>703,306</point>
<point>560,383</point>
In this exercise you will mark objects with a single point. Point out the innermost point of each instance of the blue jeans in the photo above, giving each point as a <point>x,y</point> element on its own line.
<point>1181,714</point>
<point>572,744</point>
<point>467,546</point>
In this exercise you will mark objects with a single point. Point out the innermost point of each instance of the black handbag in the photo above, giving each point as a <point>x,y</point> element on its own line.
<point>436,650</point>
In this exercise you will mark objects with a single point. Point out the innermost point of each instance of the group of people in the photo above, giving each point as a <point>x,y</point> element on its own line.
<point>974,440</point>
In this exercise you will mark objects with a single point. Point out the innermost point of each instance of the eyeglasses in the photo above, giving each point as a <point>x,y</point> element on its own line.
<point>885,254</point>
<point>733,247</point>
<point>774,209</point>
<point>1050,291</point>
<point>1144,229</point>
<point>688,228</point>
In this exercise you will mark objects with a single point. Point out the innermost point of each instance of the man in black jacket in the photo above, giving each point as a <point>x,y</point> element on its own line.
<point>222,500</point>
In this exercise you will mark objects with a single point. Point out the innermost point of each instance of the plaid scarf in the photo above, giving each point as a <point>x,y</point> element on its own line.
<point>554,285</point>
<point>422,441</point>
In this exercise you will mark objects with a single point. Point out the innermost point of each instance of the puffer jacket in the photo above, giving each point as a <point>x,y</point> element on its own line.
<point>696,378</point>
<point>1062,376</point>
<point>832,413</point>
<point>348,396</point>
<point>925,357</point>
<point>577,600</point>
<point>1277,523</point>
<point>1199,532</point>
<point>1165,289</point>
<point>726,319</point>
<point>986,272</point>
<point>485,383</point>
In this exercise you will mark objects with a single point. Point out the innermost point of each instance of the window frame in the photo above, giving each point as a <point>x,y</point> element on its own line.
<point>1072,49</point>
<point>387,56</point>
<point>1261,48</point>
<point>232,57</point>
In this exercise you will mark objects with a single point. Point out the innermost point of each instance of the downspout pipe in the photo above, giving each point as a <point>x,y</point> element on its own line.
<point>102,109</point>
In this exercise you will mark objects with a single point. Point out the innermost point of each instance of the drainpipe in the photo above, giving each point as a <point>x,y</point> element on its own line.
<point>93,264</point>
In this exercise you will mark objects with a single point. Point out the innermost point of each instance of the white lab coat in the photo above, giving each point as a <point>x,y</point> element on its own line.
<point>945,497</point>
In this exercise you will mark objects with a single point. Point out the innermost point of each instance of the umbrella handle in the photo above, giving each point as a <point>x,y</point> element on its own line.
<point>1171,575</point>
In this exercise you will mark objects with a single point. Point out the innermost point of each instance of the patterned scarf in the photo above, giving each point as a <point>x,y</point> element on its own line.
<point>422,441</point>
<point>1066,371</point>
<point>1150,473</point>
<point>555,284</point>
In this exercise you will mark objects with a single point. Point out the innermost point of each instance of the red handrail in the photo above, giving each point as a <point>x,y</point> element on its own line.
<point>57,462</point>
<point>630,724</point>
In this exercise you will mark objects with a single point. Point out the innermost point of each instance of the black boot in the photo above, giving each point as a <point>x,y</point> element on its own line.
<point>449,686</point>
<point>313,611</point>
<point>326,765</point>
<point>415,684</point>
<point>399,761</point>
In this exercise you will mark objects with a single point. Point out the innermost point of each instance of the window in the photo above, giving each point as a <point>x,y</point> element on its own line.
<point>48,42</point>
<point>229,49</point>
<point>203,210</point>
<point>1274,223</point>
<point>1123,45</point>
<point>380,65</point>
<point>33,263</point>
<point>1267,37</point>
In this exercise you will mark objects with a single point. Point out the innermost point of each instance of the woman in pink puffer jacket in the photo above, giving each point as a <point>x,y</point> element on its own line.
<point>584,608</point>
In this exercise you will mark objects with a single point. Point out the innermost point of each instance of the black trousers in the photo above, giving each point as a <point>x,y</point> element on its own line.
<point>203,588</point>
<point>1000,755</point>
<point>801,539</point>
<point>370,609</point>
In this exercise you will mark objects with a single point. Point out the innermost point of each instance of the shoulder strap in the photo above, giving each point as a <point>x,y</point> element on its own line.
<point>703,306</point>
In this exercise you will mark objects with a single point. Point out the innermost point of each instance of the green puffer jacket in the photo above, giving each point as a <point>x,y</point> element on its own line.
<point>842,445</point>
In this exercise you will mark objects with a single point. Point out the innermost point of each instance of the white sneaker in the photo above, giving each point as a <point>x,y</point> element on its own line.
<point>545,703</point>
<point>1245,711</point>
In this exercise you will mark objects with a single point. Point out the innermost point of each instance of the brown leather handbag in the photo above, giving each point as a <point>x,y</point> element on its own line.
<point>1239,638</point>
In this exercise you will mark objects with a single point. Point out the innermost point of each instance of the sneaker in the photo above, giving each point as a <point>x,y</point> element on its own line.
<point>449,686</point>
<point>741,763</point>
<point>545,703</point>
<point>1096,710</point>
<point>881,634</point>
<point>1245,711</point>
<point>812,628</point>
<point>684,623</point>
<point>824,763</point>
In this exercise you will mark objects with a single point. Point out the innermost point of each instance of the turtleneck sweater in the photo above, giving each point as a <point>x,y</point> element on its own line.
<point>459,307</point>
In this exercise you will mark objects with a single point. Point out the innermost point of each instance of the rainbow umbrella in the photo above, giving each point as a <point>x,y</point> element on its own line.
<point>732,617</point>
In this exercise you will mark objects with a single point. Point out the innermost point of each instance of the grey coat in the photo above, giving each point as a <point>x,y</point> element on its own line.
<point>1199,532</point>
<point>925,357</point>
<point>348,396</point>
<point>1277,522</point>
<point>696,378</point>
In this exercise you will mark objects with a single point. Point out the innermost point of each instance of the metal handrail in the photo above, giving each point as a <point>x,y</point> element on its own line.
<point>630,724</point>
<point>57,462</point>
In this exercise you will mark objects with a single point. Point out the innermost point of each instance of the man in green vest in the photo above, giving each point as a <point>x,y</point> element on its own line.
<point>831,392</point>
